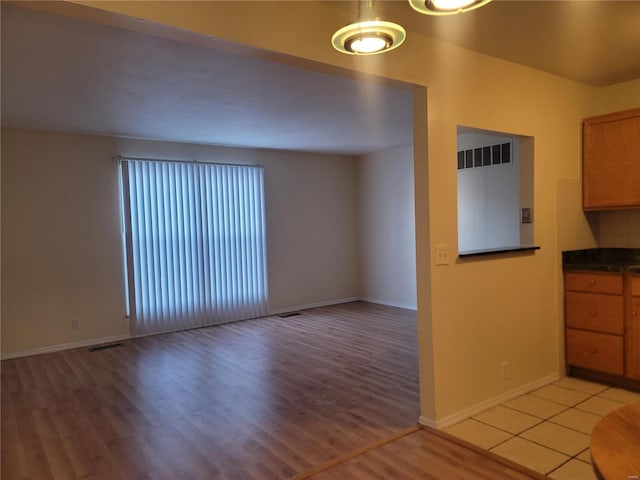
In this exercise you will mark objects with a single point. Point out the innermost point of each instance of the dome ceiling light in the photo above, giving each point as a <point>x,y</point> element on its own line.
<point>445,7</point>
<point>368,35</point>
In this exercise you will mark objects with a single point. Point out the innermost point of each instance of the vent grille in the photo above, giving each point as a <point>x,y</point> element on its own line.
<point>489,155</point>
<point>104,347</point>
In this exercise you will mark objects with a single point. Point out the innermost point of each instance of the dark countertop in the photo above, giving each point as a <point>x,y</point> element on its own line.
<point>491,251</point>
<point>619,260</point>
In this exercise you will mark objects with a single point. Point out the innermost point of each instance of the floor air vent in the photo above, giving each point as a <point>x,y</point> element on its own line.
<point>104,347</point>
<point>291,314</point>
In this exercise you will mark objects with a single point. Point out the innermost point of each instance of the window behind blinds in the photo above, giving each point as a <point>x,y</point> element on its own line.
<point>195,236</point>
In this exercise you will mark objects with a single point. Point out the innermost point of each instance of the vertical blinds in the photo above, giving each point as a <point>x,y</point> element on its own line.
<point>195,244</point>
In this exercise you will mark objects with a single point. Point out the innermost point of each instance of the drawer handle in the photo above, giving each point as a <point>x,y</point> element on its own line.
<point>592,312</point>
<point>592,282</point>
<point>592,350</point>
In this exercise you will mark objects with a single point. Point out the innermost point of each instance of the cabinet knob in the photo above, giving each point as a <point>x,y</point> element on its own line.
<point>592,282</point>
<point>592,312</point>
<point>592,350</point>
<point>634,313</point>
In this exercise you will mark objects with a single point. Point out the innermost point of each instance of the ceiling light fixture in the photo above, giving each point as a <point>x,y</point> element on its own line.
<point>368,35</point>
<point>446,7</point>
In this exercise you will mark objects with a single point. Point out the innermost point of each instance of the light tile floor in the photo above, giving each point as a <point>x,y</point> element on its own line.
<point>547,430</point>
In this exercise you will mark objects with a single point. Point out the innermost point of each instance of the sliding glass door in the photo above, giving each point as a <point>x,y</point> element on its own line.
<point>195,243</point>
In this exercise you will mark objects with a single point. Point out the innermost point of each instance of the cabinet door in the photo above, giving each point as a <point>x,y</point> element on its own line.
<point>595,351</point>
<point>635,286</point>
<point>611,161</point>
<point>595,312</point>
<point>632,339</point>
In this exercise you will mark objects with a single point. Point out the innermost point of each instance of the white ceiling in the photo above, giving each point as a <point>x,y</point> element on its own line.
<point>65,74</point>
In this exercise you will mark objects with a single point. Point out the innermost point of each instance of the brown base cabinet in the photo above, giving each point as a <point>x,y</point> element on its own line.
<point>602,320</point>
<point>633,329</point>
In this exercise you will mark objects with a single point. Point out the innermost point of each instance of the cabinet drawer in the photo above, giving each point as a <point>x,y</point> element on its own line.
<point>596,351</point>
<point>593,282</point>
<point>594,311</point>
<point>635,286</point>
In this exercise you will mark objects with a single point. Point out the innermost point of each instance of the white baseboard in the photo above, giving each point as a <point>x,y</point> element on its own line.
<point>65,346</point>
<point>278,311</point>
<point>487,404</point>
<point>117,338</point>
<point>389,304</point>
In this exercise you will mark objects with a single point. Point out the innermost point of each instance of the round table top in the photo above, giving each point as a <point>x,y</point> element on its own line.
<point>615,444</point>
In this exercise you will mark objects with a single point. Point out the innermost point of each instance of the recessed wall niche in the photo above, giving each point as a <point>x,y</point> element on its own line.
<point>495,190</point>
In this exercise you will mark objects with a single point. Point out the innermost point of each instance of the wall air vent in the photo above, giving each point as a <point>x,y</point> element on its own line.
<point>104,347</point>
<point>485,156</point>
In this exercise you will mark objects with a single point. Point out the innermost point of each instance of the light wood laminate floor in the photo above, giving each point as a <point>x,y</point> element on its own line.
<point>260,399</point>
<point>424,454</point>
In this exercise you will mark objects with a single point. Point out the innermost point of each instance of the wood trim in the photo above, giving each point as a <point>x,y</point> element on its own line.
<point>497,458</point>
<point>355,453</point>
<point>612,117</point>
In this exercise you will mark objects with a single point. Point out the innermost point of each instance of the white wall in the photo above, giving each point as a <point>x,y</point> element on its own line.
<point>311,228</point>
<point>61,238</point>
<point>387,228</point>
<point>488,198</point>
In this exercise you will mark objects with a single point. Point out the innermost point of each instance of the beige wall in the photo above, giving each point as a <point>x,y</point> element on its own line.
<point>619,229</point>
<point>61,240</point>
<point>474,314</point>
<point>62,249</point>
<point>622,96</point>
<point>311,228</point>
<point>387,253</point>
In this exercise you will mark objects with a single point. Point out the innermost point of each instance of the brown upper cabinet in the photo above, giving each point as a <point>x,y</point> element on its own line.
<point>611,161</point>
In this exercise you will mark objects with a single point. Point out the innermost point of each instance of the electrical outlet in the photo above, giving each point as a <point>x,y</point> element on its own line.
<point>504,370</point>
<point>75,323</point>
<point>442,254</point>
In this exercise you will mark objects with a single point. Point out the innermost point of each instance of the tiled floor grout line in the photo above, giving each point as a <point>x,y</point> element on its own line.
<point>593,402</point>
<point>560,466</point>
<point>568,407</point>
<point>567,427</point>
<point>571,457</point>
<point>541,421</point>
